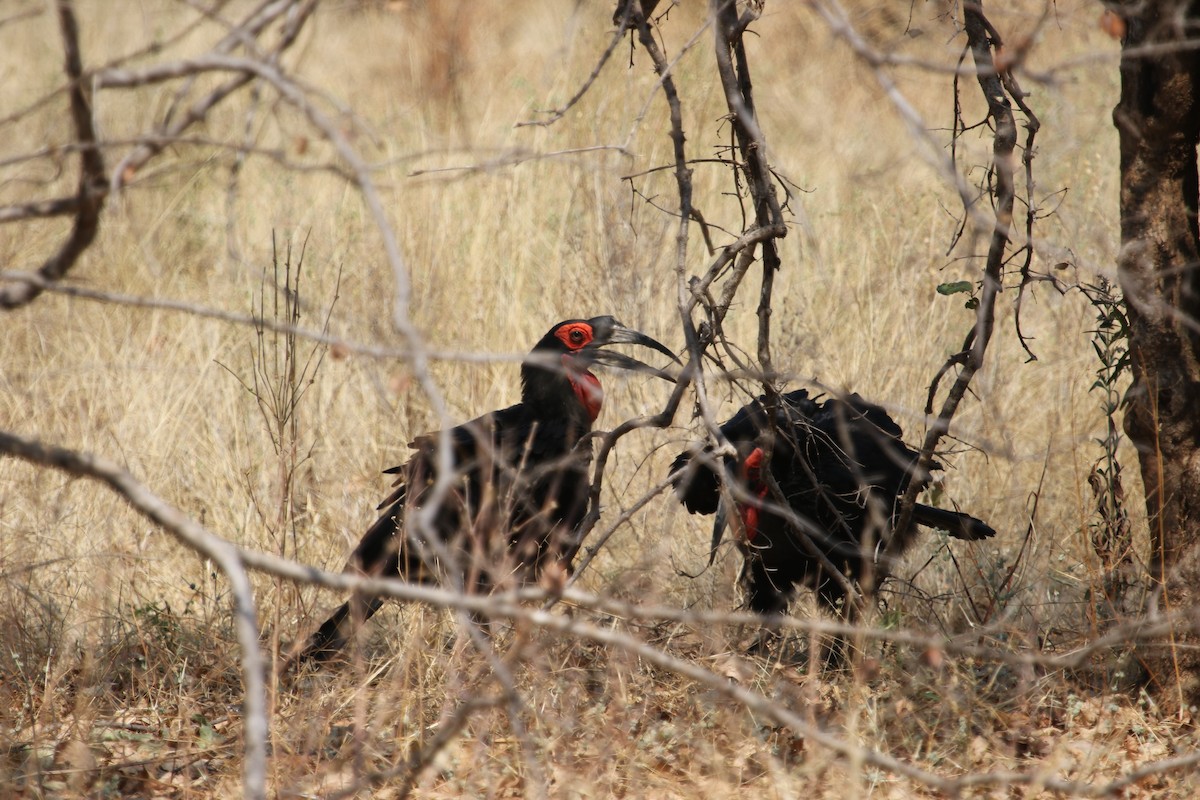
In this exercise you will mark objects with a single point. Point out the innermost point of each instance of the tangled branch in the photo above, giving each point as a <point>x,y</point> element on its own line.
<point>234,561</point>
<point>89,200</point>
<point>969,360</point>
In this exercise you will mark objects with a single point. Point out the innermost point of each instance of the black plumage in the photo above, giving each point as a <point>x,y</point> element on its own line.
<point>519,485</point>
<point>841,467</point>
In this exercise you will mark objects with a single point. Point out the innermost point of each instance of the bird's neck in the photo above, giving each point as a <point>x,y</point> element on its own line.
<point>588,392</point>
<point>569,392</point>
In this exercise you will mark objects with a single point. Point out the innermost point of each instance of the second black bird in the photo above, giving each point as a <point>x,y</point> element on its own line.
<point>840,466</point>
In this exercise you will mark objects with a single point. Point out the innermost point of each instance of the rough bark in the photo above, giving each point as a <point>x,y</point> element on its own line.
<point>1158,119</point>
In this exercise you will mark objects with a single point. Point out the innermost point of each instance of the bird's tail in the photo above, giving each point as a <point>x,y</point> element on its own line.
<point>330,639</point>
<point>376,555</point>
<point>956,523</point>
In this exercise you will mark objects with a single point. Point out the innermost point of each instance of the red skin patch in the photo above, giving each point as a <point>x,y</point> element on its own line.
<point>587,389</point>
<point>576,336</point>
<point>752,470</point>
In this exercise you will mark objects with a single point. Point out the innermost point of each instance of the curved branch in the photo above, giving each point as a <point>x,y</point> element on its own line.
<point>200,540</point>
<point>971,357</point>
<point>621,20</point>
<point>234,560</point>
<point>91,195</point>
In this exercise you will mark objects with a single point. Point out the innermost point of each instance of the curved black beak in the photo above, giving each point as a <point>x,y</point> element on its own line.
<point>608,331</point>
<point>622,361</point>
<point>720,523</point>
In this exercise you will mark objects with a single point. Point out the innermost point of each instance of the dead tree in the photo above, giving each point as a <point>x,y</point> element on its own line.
<point>1158,120</point>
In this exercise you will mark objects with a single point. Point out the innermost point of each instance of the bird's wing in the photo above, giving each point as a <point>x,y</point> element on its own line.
<point>857,444</point>
<point>696,484</point>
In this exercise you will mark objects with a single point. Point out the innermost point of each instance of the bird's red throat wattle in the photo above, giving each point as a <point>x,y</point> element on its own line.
<point>586,387</point>
<point>752,473</point>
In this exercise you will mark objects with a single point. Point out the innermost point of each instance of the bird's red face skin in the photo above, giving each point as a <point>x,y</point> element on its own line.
<point>752,473</point>
<point>576,336</point>
<point>752,466</point>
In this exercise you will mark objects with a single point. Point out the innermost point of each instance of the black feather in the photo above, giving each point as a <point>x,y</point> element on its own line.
<point>518,488</point>
<point>841,466</point>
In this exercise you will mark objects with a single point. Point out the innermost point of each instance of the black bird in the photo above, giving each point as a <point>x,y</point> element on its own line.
<point>519,488</point>
<point>841,468</point>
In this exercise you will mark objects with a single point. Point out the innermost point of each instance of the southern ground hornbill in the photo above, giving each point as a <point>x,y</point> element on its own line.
<point>840,467</point>
<point>520,483</point>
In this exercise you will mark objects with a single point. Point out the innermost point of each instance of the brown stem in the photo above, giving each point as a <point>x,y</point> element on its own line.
<point>739,98</point>
<point>683,178</point>
<point>971,357</point>
<point>91,193</point>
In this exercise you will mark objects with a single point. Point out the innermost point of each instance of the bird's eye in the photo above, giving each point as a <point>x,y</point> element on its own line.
<point>577,336</point>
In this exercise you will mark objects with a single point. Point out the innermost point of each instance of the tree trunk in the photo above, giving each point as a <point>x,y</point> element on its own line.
<point>1158,119</point>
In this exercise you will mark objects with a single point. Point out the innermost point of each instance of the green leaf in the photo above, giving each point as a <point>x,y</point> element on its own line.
<point>955,287</point>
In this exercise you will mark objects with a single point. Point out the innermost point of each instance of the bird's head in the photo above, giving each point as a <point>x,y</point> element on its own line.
<point>567,351</point>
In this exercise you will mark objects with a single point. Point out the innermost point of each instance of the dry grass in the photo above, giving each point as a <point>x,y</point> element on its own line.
<point>118,665</point>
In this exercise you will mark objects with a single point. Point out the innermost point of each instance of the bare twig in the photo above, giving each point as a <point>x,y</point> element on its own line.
<point>90,198</point>
<point>633,11</point>
<point>509,605</point>
<point>194,536</point>
<point>971,358</point>
<point>514,157</point>
<point>558,113</point>
<point>243,34</point>
<point>278,155</point>
<point>44,209</point>
<point>739,97</point>
<point>1032,126</point>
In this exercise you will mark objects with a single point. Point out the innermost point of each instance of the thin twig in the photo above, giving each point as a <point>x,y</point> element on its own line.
<point>971,358</point>
<point>558,113</point>
<point>509,605</point>
<point>683,180</point>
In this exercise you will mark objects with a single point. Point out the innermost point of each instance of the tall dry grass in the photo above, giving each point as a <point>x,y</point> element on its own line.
<point>118,662</point>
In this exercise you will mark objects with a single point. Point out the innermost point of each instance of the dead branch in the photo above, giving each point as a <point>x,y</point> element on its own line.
<point>95,184</point>
<point>633,14</point>
<point>197,538</point>
<point>244,35</point>
<point>608,441</point>
<point>739,98</point>
<point>510,605</point>
<point>90,197</point>
<point>68,205</point>
<point>970,359</point>
<point>621,21</point>
<point>516,157</point>
<point>45,209</point>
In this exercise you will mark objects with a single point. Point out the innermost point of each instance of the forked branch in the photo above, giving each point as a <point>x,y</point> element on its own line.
<point>235,560</point>
<point>89,199</point>
<point>997,92</point>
